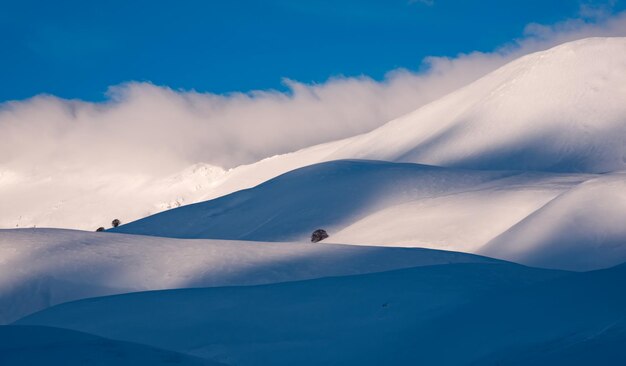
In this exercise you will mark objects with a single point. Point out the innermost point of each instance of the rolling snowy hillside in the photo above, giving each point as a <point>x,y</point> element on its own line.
<point>571,125</point>
<point>32,345</point>
<point>454,314</point>
<point>527,165</point>
<point>328,195</point>
<point>558,110</point>
<point>487,227</point>
<point>531,218</point>
<point>581,229</point>
<point>44,267</point>
<point>406,316</point>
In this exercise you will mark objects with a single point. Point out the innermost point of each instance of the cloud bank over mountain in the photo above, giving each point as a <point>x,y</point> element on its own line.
<point>154,130</point>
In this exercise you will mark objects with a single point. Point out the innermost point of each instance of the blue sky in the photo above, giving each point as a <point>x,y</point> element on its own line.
<point>77,49</point>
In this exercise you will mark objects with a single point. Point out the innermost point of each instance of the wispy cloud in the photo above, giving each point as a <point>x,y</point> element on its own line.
<point>596,10</point>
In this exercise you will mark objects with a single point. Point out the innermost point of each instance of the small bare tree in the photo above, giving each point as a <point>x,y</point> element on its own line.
<point>318,235</point>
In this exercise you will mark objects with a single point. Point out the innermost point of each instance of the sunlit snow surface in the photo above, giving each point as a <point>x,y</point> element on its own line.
<point>558,110</point>
<point>557,220</point>
<point>526,164</point>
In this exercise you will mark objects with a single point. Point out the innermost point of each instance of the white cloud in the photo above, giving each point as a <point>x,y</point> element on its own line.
<point>149,128</point>
<point>156,130</point>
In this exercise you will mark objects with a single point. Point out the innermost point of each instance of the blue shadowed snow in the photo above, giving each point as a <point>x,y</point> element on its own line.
<point>33,345</point>
<point>456,314</point>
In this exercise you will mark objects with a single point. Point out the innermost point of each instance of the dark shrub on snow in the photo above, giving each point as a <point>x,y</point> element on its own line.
<point>318,235</point>
<point>115,223</point>
<point>100,229</point>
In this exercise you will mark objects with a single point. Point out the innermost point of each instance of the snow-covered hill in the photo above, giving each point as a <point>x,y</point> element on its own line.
<point>581,229</point>
<point>43,267</point>
<point>455,314</point>
<point>327,195</point>
<point>527,164</point>
<point>556,220</point>
<point>466,219</point>
<point>33,345</point>
<point>558,110</point>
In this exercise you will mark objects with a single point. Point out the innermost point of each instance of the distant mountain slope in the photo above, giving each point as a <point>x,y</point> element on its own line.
<point>558,110</point>
<point>456,314</point>
<point>43,267</point>
<point>354,320</point>
<point>88,200</point>
<point>33,345</point>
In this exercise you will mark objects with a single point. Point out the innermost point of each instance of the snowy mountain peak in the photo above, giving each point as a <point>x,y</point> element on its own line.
<point>558,110</point>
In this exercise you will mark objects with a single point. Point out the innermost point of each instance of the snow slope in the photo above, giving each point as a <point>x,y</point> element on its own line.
<point>33,345</point>
<point>556,220</point>
<point>328,195</point>
<point>465,220</point>
<point>558,110</point>
<point>580,229</point>
<point>43,267</point>
<point>531,168</point>
<point>409,205</point>
<point>454,314</point>
<point>89,200</point>
<point>355,320</point>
